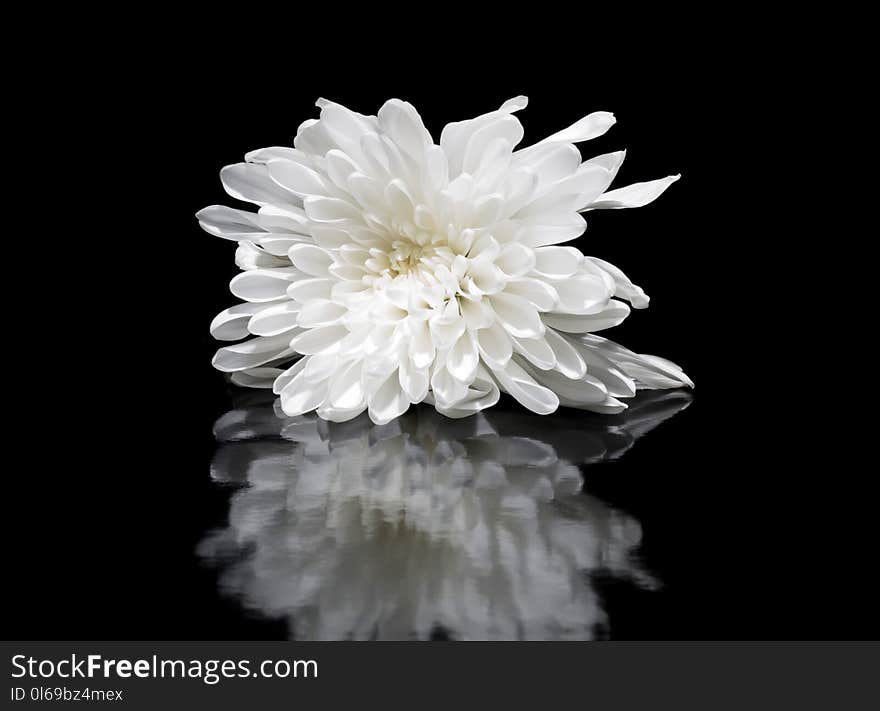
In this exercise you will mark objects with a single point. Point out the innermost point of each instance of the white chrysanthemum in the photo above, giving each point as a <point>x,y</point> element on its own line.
<point>390,270</point>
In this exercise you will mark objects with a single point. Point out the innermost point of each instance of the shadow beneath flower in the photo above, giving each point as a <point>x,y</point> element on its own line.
<point>470,529</point>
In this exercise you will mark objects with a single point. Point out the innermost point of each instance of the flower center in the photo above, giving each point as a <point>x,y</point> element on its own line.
<point>406,257</point>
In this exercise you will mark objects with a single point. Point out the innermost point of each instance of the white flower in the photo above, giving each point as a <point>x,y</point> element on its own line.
<point>475,527</point>
<point>390,270</point>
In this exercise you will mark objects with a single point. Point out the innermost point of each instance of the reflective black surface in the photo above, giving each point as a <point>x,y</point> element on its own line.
<point>426,527</point>
<point>755,520</point>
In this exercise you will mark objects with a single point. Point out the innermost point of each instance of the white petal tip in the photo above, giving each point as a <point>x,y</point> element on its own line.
<point>517,103</point>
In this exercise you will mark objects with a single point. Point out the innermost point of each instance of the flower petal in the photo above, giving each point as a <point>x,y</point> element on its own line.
<point>552,229</point>
<point>590,126</point>
<point>462,359</point>
<point>301,395</point>
<point>539,294</point>
<point>226,222</point>
<point>649,371</point>
<point>568,359</point>
<point>481,394</point>
<point>495,345</point>
<point>402,123</point>
<point>517,316</point>
<point>320,312</point>
<point>346,389</point>
<point>261,285</point>
<point>581,294</point>
<point>311,259</point>
<point>304,290</point>
<point>232,324</point>
<point>635,195</point>
<point>275,320</point>
<point>536,351</point>
<point>330,209</point>
<point>623,286</point>
<point>261,378</point>
<point>250,354</point>
<point>318,340</point>
<point>582,392</point>
<point>611,315</point>
<point>388,402</point>
<point>518,383</point>
<point>297,178</point>
<point>421,347</point>
<point>284,379</point>
<point>455,137</point>
<point>414,381</point>
<point>557,262</point>
<point>515,259</point>
<point>251,182</point>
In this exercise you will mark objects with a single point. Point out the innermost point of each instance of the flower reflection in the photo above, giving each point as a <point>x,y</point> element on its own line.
<point>473,529</point>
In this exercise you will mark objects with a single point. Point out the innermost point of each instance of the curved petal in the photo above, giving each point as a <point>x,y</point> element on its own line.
<point>251,354</point>
<point>518,383</point>
<point>388,402</point>
<point>589,127</point>
<point>261,285</point>
<point>260,378</point>
<point>517,316</point>
<point>226,222</point>
<point>481,394</point>
<point>275,320</point>
<point>232,324</point>
<point>318,340</point>
<point>251,182</point>
<point>611,315</point>
<point>635,195</point>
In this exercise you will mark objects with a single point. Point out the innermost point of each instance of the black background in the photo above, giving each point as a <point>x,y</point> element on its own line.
<point>107,489</point>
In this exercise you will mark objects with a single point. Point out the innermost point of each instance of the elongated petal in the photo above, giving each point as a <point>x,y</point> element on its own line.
<point>388,402</point>
<point>518,383</point>
<point>402,123</point>
<point>317,340</point>
<point>414,381</point>
<point>569,361</point>
<point>591,126</point>
<point>275,320</point>
<point>346,389</point>
<point>623,286</point>
<point>481,394</point>
<point>517,316</point>
<point>301,395</point>
<point>311,259</point>
<point>557,262</point>
<point>250,354</point>
<point>251,182</point>
<point>611,315</point>
<point>649,371</point>
<point>635,195</point>
<point>455,137</point>
<point>232,324</point>
<point>261,285</point>
<point>495,345</point>
<point>297,178</point>
<point>462,360</point>
<point>260,378</point>
<point>229,223</point>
